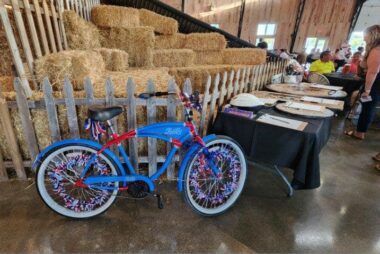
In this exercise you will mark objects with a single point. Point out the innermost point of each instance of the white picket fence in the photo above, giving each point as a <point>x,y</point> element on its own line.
<point>217,91</point>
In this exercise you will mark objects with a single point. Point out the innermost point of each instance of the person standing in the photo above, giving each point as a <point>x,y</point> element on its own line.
<point>262,44</point>
<point>371,94</point>
<point>324,64</point>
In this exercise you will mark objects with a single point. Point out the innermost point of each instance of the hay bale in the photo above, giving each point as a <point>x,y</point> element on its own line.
<point>249,56</point>
<point>161,24</point>
<point>74,64</point>
<point>6,83</point>
<point>205,41</point>
<point>140,77</point>
<point>208,57</point>
<point>198,74</point>
<point>138,42</point>
<point>115,16</point>
<point>175,41</point>
<point>80,34</point>
<point>173,57</point>
<point>114,59</point>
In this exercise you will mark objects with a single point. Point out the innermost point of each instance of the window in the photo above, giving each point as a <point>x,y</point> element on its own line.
<point>356,40</point>
<point>315,43</point>
<point>267,32</point>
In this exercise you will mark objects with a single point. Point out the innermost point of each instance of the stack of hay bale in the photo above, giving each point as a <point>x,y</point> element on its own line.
<point>123,43</point>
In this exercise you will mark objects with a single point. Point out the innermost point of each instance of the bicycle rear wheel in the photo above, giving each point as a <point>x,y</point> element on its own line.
<point>207,194</point>
<point>58,172</point>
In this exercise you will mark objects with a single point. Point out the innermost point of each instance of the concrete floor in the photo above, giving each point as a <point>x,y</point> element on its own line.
<point>340,216</point>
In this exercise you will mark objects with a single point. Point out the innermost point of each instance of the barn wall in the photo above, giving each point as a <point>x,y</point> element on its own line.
<point>325,18</point>
<point>321,18</point>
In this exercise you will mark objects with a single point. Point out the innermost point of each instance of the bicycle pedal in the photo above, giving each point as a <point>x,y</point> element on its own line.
<point>160,204</point>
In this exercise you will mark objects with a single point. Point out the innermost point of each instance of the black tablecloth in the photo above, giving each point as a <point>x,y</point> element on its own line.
<point>349,82</point>
<point>269,144</point>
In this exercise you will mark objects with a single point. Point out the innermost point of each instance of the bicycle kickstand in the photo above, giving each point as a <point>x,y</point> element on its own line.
<point>160,204</point>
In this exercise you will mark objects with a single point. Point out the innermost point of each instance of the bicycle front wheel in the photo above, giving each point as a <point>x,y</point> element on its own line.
<point>59,171</point>
<point>208,194</point>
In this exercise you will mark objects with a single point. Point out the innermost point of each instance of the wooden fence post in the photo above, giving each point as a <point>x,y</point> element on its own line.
<point>230,87</point>
<point>26,119</point>
<point>206,99</point>
<point>214,97</point>
<point>131,121</point>
<point>71,110</point>
<point>236,85</point>
<point>6,124</point>
<point>223,91</point>
<point>110,102</point>
<point>171,117</point>
<point>51,111</point>
<point>242,81</point>
<point>151,116</point>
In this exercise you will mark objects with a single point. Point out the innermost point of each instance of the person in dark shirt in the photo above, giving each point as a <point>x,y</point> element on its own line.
<point>262,44</point>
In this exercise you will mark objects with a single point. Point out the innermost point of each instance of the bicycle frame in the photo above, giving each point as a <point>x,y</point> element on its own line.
<point>176,133</point>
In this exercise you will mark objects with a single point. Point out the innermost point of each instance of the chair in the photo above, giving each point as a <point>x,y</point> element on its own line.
<point>318,78</point>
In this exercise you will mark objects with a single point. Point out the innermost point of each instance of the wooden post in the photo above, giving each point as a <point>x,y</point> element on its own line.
<point>242,81</point>
<point>171,117</point>
<point>51,111</point>
<point>89,91</point>
<point>189,90</point>
<point>110,102</point>
<point>14,49</point>
<point>151,116</point>
<point>236,85</point>
<point>71,110</point>
<point>247,81</point>
<point>230,87</point>
<point>26,119</point>
<point>223,91</point>
<point>206,99</point>
<point>131,121</point>
<point>214,97</point>
<point>6,124</point>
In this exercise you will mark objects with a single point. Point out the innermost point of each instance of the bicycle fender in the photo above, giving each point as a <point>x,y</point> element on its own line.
<point>87,142</point>
<point>188,156</point>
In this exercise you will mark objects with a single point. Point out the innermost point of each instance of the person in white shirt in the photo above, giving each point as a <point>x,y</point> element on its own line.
<point>284,54</point>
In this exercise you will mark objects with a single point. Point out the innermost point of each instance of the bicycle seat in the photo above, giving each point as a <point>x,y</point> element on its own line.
<point>102,114</point>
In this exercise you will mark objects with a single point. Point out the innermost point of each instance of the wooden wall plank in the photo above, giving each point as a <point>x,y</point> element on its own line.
<point>14,49</point>
<point>41,27</point>
<point>49,27</point>
<point>23,36</point>
<point>32,29</point>
<point>55,23</point>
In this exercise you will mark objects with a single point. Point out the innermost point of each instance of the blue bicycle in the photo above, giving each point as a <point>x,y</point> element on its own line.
<point>81,178</point>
